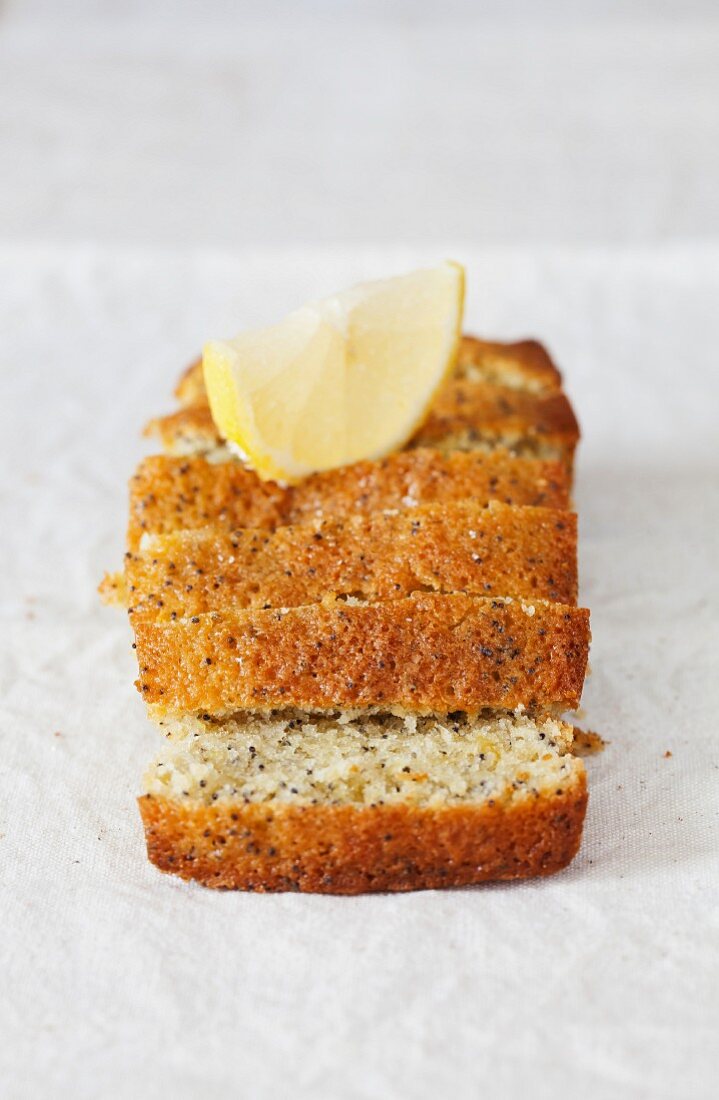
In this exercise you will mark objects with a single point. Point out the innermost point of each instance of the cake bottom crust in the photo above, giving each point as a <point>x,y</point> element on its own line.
<point>348,849</point>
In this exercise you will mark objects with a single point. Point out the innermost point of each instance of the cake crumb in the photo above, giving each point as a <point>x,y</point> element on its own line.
<point>587,743</point>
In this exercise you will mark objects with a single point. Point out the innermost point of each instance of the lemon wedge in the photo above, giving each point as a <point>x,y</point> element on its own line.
<point>343,379</point>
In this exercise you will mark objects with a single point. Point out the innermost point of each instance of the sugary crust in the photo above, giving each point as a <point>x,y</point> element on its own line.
<point>169,493</point>
<point>424,476</point>
<point>423,653</point>
<point>459,547</point>
<point>350,850</point>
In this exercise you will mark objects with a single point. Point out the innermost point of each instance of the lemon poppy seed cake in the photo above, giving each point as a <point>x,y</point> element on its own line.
<point>359,652</point>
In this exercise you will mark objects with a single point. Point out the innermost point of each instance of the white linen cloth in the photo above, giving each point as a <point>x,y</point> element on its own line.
<point>119,982</point>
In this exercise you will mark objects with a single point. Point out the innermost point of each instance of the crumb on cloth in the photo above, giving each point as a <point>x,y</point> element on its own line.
<point>587,742</point>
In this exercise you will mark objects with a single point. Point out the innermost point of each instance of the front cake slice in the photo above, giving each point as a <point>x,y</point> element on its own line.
<point>350,803</point>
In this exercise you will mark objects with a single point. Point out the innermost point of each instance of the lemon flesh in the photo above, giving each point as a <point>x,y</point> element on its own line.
<point>347,378</point>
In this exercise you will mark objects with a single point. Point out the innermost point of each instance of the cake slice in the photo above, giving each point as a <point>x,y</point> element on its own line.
<point>425,652</point>
<point>457,547</point>
<point>171,494</point>
<point>347,804</point>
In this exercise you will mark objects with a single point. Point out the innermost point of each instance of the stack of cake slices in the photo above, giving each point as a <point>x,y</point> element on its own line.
<point>361,678</point>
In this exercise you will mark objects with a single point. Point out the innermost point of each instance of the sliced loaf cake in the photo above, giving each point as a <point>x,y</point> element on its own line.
<point>360,677</point>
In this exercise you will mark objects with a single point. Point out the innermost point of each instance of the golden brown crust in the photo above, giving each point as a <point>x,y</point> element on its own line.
<point>525,364</point>
<point>458,547</point>
<point>425,476</point>
<point>350,850</point>
<point>424,653</point>
<point>170,494</point>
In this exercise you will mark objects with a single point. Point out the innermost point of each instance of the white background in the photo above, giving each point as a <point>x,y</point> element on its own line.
<point>174,171</point>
